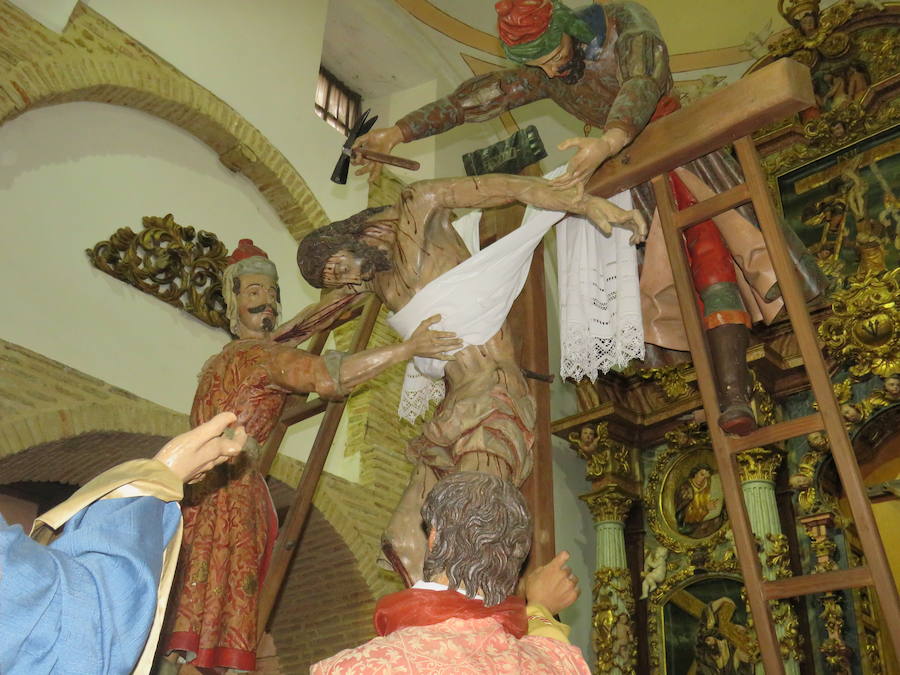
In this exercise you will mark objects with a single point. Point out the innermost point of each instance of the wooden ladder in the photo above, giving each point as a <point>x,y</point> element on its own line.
<point>876,571</point>
<point>298,409</point>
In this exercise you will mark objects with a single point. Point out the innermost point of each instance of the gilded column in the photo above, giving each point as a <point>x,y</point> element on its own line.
<point>612,468</point>
<point>613,626</point>
<point>758,467</point>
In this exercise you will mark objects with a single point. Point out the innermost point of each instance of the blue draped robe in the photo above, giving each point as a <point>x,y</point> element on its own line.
<point>85,603</point>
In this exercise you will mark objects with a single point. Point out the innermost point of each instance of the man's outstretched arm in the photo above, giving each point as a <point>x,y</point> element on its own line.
<point>335,374</point>
<point>499,189</point>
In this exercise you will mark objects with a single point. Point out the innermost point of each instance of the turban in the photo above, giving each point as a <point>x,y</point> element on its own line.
<point>530,29</point>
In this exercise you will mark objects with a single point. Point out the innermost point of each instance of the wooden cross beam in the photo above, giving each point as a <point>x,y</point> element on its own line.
<point>774,92</point>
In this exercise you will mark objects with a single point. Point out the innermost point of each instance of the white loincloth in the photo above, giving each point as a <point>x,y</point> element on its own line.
<point>474,298</point>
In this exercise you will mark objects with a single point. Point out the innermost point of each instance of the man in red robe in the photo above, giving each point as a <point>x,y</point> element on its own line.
<point>230,527</point>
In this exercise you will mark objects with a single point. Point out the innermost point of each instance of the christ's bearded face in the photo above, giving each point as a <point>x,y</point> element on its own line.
<point>257,303</point>
<point>350,269</point>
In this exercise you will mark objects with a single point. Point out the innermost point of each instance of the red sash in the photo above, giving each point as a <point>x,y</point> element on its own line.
<point>422,607</point>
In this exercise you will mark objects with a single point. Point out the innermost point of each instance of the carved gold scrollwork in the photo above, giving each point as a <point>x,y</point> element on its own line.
<point>759,464</point>
<point>864,330</point>
<point>178,265</point>
<point>671,379</point>
<point>610,503</point>
<point>819,528</point>
<point>613,634</point>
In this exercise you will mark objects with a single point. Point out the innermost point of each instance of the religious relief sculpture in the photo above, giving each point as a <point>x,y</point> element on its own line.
<point>177,264</point>
<point>851,49</point>
<point>654,570</point>
<point>863,330</point>
<point>230,523</point>
<point>409,255</point>
<point>608,66</point>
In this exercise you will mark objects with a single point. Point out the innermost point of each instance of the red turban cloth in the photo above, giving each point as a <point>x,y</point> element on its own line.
<point>520,21</point>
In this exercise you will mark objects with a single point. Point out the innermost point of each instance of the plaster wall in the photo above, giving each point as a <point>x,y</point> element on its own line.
<point>71,175</point>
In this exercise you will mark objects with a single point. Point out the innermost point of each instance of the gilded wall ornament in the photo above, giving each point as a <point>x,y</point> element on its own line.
<point>605,457</point>
<point>671,380</point>
<point>810,496</point>
<point>820,529</point>
<point>613,627</point>
<point>610,503</point>
<point>759,464</point>
<point>178,265</point>
<point>864,330</point>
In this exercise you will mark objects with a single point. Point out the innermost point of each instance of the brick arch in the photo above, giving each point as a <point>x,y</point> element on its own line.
<point>75,460</point>
<point>325,603</point>
<point>95,61</point>
<point>45,402</point>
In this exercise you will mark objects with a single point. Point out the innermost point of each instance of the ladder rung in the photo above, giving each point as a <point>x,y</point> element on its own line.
<point>303,411</point>
<point>777,432</point>
<point>795,587</point>
<point>708,208</point>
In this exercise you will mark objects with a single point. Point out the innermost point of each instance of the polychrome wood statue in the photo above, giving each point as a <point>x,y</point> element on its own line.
<point>404,254</point>
<point>607,65</point>
<point>230,527</point>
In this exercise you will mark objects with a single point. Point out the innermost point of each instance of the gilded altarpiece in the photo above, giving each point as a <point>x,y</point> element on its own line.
<point>835,174</point>
<point>835,171</point>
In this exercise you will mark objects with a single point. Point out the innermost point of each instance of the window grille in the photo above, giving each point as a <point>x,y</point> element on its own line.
<point>335,102</point>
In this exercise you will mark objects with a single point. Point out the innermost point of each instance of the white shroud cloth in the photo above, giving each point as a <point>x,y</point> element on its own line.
<point>600,323</point>
<point>475,297</point>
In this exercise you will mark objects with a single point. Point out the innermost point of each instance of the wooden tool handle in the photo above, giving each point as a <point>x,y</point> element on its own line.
<point>393,160</point>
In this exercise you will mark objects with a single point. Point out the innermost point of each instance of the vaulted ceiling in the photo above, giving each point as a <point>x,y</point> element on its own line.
<point>379,47</point>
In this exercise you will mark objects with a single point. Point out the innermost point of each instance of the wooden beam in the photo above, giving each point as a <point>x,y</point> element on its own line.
<point>777,432</point>
<point>528,323</point>
<point>292,529</point>
<point>771,93</point>
<point>795,587</point>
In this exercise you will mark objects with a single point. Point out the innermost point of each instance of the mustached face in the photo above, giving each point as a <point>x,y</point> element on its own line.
<point>257,303</point>
<point>566,62</point>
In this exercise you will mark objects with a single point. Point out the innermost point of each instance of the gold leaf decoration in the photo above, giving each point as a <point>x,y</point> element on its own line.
<point>178,265</point>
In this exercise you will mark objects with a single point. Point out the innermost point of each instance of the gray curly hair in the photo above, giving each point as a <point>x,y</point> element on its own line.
<point>482,534</point>
<point>231,284</point>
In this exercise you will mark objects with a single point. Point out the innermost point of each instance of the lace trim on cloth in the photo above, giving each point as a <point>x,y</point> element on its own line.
<point>418,392</point>
<point>600,314</point>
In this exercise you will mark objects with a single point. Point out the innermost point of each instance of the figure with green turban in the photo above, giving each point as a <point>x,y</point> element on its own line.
<point>608,66</point>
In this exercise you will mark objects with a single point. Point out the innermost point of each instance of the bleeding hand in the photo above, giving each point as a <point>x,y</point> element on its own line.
<point>378,140</point>
<point>433,343</point>
<point>191,454</point>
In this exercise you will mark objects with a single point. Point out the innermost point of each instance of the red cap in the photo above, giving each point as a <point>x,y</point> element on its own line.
<point>245,249</point>
<point>520,21</point>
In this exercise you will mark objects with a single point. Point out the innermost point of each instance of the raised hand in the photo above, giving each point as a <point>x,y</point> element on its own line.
<point>378,140</point>
<point>433,343</point>
<point>191,454</point>
<point>552,585</point>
